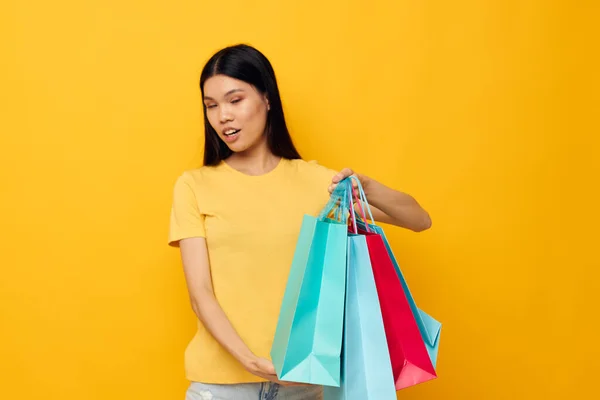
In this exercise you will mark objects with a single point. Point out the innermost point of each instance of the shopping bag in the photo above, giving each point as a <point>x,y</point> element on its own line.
<point>308,337</point>
<point>411,362</point>
<point>429,327</point>
<point>366,367</point>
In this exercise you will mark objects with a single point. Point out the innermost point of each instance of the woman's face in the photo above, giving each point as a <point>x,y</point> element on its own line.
<point>236,111</point>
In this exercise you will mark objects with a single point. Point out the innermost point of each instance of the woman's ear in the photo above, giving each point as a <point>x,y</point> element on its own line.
<point>267,103</point>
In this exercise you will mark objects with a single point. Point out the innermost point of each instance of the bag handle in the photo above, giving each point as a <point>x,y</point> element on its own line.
<point>337,203</point>
<point>341,203</point>
<point>362,198</point>
<point>350,195</point>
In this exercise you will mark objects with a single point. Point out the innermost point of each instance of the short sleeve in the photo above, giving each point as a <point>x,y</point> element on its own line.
<point>186,219</point>
<point>325,174</point>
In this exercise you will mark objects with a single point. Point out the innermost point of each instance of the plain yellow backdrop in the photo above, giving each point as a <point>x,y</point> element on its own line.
<point>485,111</point>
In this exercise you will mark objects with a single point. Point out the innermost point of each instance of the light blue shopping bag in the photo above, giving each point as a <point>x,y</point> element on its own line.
<point>308,338</point>
<point>366,366</point>
<point>429,327</point>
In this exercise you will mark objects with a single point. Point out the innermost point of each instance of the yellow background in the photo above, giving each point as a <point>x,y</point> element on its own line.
<point>485,111</point>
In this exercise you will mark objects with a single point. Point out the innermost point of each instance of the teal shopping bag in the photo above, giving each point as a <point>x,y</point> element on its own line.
<point>308,337</point>
<point>366,366</point>
<point>429,327</point>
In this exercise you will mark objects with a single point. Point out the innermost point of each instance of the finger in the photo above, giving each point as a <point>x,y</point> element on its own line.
<point>267,375</point>
<point>266,367</point>
<point>272,378</point>
<point>269,370</point>
<point>347,172</point>
<point>287,383</point>
<point>344,173</point>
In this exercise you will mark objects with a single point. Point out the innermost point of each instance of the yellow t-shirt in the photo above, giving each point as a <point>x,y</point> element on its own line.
<point>251,225</point>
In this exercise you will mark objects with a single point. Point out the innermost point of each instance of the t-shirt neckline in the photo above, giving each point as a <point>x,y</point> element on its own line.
<point>245,175</point>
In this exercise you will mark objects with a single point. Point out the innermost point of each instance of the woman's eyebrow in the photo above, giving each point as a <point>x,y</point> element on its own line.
<point>226,94</point>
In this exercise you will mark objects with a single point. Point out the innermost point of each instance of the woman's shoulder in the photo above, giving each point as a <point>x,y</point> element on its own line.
<point>195,177</point>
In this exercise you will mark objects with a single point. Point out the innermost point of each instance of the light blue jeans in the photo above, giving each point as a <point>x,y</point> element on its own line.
<point>252,391</point>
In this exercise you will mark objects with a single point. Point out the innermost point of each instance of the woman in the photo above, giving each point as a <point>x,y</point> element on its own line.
<point>236,221</point>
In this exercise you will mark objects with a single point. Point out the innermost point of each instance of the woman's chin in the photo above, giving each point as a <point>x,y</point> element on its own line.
<point>240,145</point>
<point>235,146</point>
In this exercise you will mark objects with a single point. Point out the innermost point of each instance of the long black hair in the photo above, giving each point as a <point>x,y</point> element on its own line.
<point>247,64</point>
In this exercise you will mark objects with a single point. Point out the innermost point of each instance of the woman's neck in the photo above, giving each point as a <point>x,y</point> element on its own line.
<point>257,161</point>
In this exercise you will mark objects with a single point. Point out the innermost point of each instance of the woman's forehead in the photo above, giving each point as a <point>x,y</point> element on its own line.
<point>221,85</point>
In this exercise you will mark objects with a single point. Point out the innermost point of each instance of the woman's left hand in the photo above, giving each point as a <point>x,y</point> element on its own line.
<point>343,174</point>
<point>386,204</point>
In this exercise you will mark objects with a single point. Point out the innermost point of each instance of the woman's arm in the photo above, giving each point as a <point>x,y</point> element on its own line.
<point>394,207</point>
<point>194,254</point>
<point>388,205</point>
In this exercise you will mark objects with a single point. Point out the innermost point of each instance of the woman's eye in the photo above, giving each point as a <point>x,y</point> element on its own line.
<point>211,105</point>
<point>236,101</point>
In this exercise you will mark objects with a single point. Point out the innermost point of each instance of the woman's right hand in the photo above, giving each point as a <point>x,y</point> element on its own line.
<point>264,368</point>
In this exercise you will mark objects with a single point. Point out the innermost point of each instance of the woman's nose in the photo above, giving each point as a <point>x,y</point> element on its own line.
<point>225,115</point>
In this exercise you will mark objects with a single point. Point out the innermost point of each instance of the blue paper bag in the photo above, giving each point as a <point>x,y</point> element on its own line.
<point>308,337</point>
<point>429,327</point>
<point>366,366</point>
